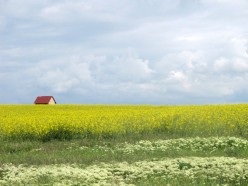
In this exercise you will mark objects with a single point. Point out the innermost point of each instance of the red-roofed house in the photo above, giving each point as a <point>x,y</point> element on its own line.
<point>45,100</point>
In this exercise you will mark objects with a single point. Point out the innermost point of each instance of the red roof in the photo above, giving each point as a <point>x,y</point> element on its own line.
<point>43,99</point>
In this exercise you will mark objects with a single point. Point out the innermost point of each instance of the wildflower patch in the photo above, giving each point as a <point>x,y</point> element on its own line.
<point>221,170</point>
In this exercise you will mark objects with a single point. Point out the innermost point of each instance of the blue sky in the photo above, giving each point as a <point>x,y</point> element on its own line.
<point>124,52</point>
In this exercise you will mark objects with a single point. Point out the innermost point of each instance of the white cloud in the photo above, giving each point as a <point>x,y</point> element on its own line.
<point>222,64</point>
<point>239,46</point>
<point>58,81</point>
<point>64,76</point>
<point>137,51</point>
<point>177,76</point>
<point>241,65</point>
<point>120,69</point>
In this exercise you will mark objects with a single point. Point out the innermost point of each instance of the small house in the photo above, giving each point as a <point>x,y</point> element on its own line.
<point>45,100</point>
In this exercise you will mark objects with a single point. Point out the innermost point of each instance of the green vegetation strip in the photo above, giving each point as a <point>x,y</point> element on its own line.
<point>144,149</point>
<point>91,152</point>
<point>182,161</point>
<point>190,144</point>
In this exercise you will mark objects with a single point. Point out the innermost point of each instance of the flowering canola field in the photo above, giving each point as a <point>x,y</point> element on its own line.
<point>67,121</point>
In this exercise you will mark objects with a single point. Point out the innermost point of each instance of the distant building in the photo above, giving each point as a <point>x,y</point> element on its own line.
<point>45,100</point>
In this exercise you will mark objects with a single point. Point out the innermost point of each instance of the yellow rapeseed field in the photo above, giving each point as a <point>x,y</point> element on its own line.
<point>39,121</point>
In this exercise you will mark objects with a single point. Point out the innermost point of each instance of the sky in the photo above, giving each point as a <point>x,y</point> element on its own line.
<point>163,52</point>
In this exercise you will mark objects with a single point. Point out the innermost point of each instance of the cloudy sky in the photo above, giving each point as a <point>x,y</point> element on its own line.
<point>124,52</point>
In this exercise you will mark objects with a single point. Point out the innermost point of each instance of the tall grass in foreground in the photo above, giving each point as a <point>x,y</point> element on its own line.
<point>46,122</point>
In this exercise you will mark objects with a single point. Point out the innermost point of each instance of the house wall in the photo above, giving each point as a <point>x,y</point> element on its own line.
<point>51,102</point>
